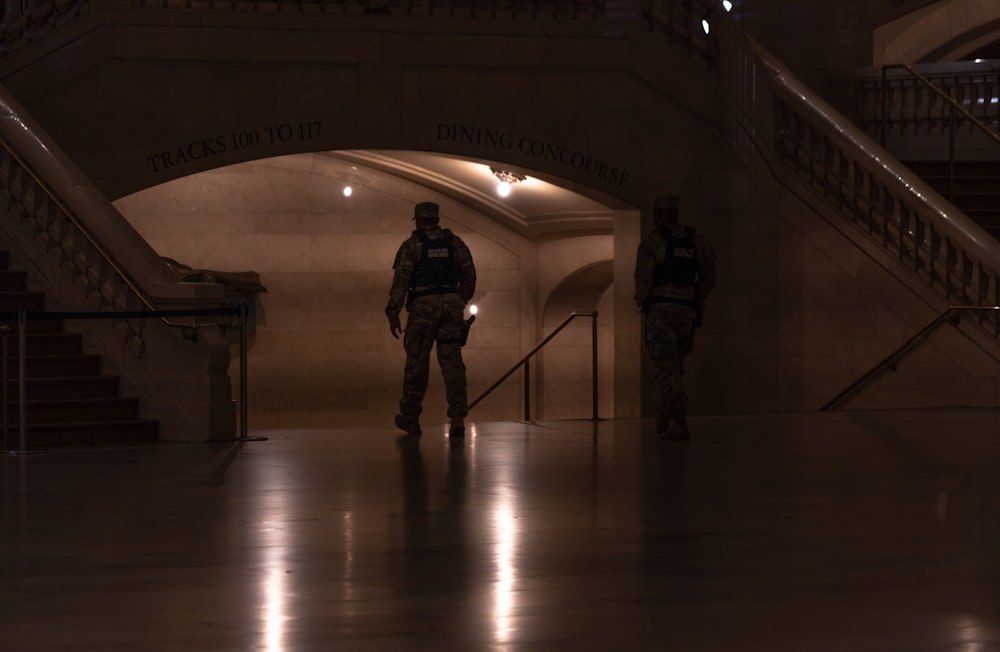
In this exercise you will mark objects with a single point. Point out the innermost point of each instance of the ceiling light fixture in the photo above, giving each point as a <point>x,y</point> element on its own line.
<point>506,179</point>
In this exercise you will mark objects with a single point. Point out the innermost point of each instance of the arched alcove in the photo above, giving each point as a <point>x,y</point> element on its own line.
<point>322,355</point>
<point>951,30</point>
<point>565,378</point>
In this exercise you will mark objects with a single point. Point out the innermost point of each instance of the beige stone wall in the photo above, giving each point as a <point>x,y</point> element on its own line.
<point>949,30</point>
<point>800,310</point>
<point>322,354</point>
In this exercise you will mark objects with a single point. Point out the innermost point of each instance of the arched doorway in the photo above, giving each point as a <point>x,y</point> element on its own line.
<point>322,355</point>
<point>566,372</point>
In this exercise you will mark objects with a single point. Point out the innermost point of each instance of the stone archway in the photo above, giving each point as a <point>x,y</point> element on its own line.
<point>946,31</point>
<point>321,355</point>
<point>565,378</point>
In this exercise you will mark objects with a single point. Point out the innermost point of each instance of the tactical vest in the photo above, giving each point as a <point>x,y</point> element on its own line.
<point>676,262</point>
<point>437,270</point>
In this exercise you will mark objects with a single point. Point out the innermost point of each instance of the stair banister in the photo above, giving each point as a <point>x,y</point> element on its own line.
<point>757,83</point>
<point>954,107</point>
<point>239,313</point>
<point>57,217</point>
<point>138,264</point>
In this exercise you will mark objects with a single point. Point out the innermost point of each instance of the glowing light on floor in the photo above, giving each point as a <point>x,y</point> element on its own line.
<point>274,588</point>
<point>504,594</point>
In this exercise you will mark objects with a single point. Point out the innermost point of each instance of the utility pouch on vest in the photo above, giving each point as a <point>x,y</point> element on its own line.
<point>695,304</point>
<point>677,261</point>
<point>436,271</point>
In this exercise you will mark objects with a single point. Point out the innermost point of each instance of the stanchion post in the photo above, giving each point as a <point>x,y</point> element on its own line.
<point>244,347</point>
<point>5,333</point>
<point>593,353</point>
<point>22,362</point>
<point>527,391</point>
<point>243,370</point>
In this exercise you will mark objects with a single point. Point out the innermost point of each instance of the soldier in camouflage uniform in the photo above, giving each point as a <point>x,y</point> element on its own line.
<point>674,273</point>
<point>435,277</point>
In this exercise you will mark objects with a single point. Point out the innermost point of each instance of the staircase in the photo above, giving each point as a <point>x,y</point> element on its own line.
<point>69,401</point>
<point>916,112</point>
<point>976,190</point>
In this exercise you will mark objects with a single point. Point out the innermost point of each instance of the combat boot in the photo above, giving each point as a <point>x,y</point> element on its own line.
<point>679,429</point>
<point>662,424</point>
<point>409,425</point>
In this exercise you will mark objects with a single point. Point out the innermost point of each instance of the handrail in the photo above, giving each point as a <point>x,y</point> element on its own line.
<point>98,247</point>
<point>27,133</point>
<point>25,136</point>
<point>935,89</point>
<point>949,100</point>
<point>538,347</point>
<point>240,312</point>
<point>824,158</point>
<point>891,359</point>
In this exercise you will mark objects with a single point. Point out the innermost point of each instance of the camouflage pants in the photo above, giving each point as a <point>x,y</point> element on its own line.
<point>669,339</point>
<point>434,319</point>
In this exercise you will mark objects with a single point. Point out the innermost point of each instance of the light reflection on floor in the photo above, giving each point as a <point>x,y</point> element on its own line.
<point>864,532</point>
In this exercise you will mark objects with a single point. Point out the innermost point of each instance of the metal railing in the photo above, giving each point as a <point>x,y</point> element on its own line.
<point>891,361</point>
<point>239,312</point>
<point>945,116</point>
<point>938,115</point>
<point>23,22</point>
<point>79,243</point>
<point>917,99</point>
<point>827,161</point>
<point>527,373</point>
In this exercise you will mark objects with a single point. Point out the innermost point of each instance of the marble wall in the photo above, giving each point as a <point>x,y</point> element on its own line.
<point>322,354</point>
<point>800,310</point>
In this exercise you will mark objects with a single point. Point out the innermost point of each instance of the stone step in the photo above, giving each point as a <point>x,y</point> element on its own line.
<point>91,433</point>
<point>21,300</point>
<point>51,411</point>
<point>12,281</point>
<point>70,387</point>
<point>68,401</point>
<point>57,366</point>
<point>45,344</point>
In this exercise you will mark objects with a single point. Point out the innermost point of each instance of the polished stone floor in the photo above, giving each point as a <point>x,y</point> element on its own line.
<point>829,532</point>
